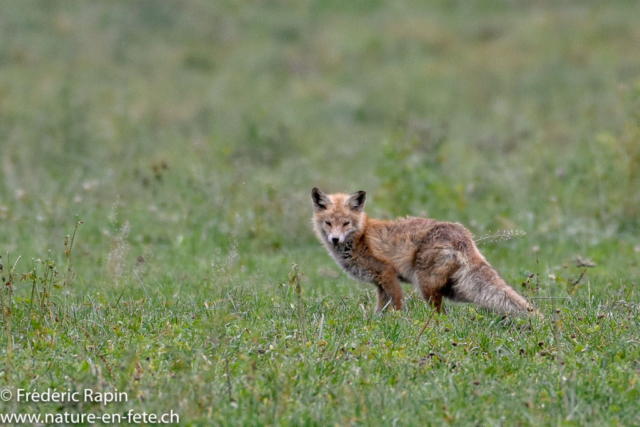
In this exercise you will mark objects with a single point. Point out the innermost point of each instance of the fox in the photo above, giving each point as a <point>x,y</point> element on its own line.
<point>439,258</point>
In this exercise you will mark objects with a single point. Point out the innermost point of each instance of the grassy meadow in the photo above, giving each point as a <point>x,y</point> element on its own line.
<point>156,162</point>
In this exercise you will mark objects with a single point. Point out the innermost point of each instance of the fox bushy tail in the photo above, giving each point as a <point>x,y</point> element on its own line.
<point>482,285</point>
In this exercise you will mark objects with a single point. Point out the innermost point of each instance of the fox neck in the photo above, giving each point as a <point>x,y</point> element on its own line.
<point>342,252</point>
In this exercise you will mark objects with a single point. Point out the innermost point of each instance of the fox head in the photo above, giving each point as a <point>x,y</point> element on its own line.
<point>337,216</point>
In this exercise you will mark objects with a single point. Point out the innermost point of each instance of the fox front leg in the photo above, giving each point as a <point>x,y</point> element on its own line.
<point>389,290</point>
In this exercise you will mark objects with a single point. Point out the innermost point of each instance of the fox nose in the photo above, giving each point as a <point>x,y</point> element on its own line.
<point>335,240</point>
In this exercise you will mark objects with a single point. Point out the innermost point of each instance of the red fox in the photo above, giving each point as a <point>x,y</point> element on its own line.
<point>439,258</point>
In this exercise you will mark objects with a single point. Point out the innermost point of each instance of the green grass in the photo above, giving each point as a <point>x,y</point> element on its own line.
<point>186,136</point>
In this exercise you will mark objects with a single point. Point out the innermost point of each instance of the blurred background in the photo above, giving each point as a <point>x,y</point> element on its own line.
<point>188,134</point>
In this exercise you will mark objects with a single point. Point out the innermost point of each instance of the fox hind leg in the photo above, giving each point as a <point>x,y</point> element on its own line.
<point>434,270</point>
<point>383,299</point>
<point>430,286</point>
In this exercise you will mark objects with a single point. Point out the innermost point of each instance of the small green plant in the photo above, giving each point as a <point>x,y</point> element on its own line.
<point>6,304</point>
<point>500,236</point>
<point>294,281</point>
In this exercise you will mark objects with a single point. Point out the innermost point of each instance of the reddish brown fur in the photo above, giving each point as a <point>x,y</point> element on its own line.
<point>439,258</point>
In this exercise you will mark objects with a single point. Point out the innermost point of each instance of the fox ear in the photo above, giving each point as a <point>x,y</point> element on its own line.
<point>355,202</point>
<point>320,200</point>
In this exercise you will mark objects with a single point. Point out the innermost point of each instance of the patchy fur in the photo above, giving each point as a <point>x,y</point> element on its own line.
<point>439,258</point>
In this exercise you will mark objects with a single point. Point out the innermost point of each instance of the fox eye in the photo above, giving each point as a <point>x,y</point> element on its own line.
<point>346,223</point>
<point>328,223</point>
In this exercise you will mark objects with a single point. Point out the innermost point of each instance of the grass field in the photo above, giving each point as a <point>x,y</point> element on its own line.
<point>156,163</point>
